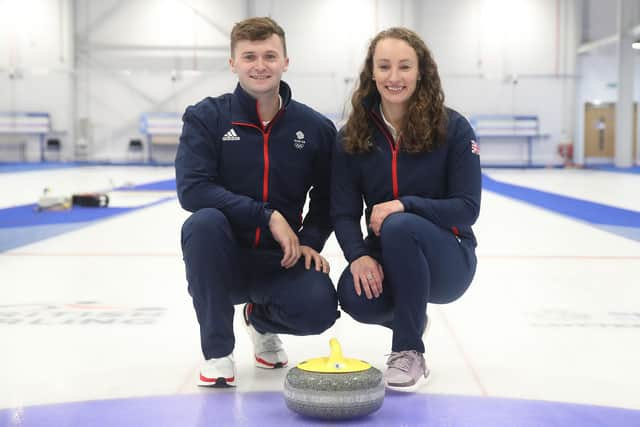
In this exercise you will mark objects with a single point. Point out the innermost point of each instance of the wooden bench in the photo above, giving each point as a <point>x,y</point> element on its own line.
<point>508,128</point>
<point>17,127</point>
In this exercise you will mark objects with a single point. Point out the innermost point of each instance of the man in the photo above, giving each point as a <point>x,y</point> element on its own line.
<point>244,166</point>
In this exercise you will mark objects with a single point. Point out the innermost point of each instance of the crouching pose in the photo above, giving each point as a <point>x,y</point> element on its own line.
<point>415,164</point>
<point>245,164</point>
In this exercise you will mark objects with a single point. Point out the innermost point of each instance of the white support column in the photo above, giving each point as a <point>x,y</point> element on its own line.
<point>70,64</point>
<point>637,158</point>
<point>570,40</point>
<point>578,136</point>
<point>624,106</point>
<point>83,139</point>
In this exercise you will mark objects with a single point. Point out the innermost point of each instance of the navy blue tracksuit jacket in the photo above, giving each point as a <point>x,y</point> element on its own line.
<point>229,161</point>
<point>442,186</point>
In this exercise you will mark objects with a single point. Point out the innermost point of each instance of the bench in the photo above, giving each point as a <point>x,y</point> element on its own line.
<point>508,128</point>
<point>24,125</point>
<point>162,131</point>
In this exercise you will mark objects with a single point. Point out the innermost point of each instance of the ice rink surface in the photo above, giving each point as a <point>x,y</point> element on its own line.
<point>97,327</point>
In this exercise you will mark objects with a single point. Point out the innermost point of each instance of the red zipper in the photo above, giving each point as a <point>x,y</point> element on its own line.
<point>394,160</point>
<point>394,171</point>
<point>394,154</point>
<point>265,156</point>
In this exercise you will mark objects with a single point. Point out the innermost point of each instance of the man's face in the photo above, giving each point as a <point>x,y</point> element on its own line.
<point>259,65</point>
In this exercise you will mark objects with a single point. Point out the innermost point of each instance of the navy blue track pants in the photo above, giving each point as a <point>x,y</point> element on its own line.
<point>220,274</point>
<point>422,263</point>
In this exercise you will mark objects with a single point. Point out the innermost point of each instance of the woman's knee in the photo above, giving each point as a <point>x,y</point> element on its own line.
<point>402,224</point>
<point>376,311</point>
<point>347,296</point>
<point>452,292</point>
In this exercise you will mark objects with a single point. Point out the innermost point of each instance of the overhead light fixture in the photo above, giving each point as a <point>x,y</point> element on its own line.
<point>636,44</point>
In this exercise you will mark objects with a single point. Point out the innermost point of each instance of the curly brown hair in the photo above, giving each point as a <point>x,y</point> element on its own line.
<point>424,127</point>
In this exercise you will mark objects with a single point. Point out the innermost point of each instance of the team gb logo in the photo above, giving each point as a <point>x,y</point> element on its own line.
<point>299,140</point>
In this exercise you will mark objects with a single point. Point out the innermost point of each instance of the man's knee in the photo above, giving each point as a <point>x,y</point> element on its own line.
<point>207,223</point>
<point>319,305</point>
<point>206,220</point>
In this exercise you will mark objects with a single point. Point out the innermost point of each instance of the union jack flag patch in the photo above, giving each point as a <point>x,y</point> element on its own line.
<point>475,148</point>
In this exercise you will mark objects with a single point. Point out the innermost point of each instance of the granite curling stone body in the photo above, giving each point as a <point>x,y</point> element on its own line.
<point>334,387</point>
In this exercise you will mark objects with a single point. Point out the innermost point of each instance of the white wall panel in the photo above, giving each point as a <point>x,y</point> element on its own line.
<point>142,55</point>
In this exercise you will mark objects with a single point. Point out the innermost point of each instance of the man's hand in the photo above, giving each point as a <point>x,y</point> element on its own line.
<point>368,276</point>
<point>381,211</point>
<point>286,238</point>
<point>319,261</point>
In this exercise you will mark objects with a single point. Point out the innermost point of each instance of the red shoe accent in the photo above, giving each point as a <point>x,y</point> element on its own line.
<point>248,308</point>
<point>213,380</point>
<point>269,364</point>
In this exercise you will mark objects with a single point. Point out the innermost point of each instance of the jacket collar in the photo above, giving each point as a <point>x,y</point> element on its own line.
<point>372,106</point>
<point>244,107</point>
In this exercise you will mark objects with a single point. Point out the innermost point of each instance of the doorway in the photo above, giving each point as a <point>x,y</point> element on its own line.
<point>600,132</point>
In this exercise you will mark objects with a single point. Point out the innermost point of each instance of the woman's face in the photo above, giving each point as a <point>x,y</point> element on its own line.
<point>395,71</point>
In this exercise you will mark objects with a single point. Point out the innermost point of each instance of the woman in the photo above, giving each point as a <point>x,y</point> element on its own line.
<point>416,165</point>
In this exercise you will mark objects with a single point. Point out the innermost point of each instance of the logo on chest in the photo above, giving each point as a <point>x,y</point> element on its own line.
<point>231,135</point>
<point>299,141</point>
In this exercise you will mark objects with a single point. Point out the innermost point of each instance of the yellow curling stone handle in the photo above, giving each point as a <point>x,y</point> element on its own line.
<point>336,363</point>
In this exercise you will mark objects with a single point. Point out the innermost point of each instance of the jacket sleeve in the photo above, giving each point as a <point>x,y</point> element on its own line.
<point>346,204</point>
<point>197,177</point>
<point>317,226</point>
<point>461,205</point>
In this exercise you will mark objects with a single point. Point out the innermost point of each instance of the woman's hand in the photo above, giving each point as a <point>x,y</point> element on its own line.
<point>367,276</point>
<point>381,211</point>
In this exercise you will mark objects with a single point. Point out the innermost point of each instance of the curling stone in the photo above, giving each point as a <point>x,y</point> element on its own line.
<point>334,387</point>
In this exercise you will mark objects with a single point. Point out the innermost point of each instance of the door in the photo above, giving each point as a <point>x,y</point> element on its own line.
<point>600,130</point>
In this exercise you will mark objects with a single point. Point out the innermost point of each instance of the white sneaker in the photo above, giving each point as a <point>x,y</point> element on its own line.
<point>220,372</point>
<point>267,347</point>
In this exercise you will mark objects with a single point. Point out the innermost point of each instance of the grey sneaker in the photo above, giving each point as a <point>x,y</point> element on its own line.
<point>406,371</point>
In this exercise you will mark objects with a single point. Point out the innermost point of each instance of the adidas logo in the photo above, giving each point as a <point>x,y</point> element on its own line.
<point>231,135</point>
